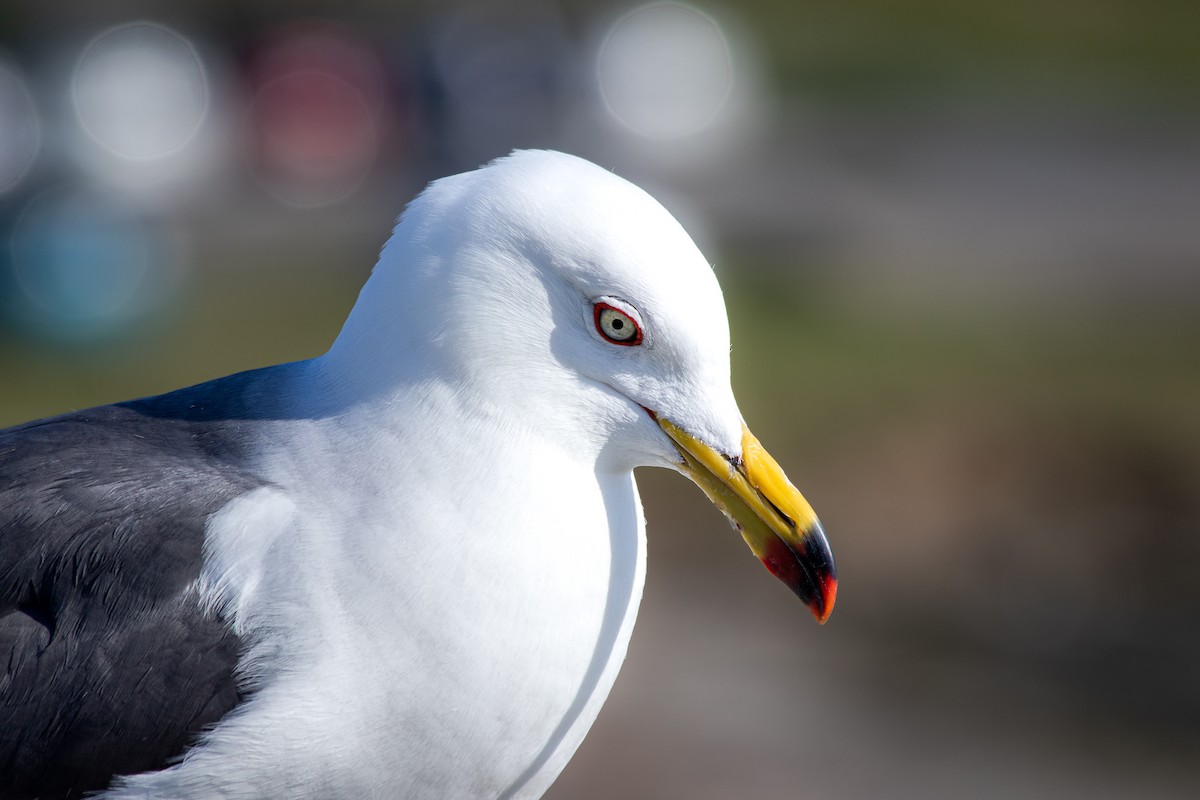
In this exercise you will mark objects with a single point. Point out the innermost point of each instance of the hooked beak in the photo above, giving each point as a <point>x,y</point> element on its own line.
<point>771,514</point>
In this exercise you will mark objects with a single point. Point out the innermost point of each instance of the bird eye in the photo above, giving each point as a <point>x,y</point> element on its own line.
<point>616,326</point>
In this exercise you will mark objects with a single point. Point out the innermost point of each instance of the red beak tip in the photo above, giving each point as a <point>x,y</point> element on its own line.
<point>823,609</point>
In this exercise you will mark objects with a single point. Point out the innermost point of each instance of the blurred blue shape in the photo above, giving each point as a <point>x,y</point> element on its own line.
<point>82,266</point>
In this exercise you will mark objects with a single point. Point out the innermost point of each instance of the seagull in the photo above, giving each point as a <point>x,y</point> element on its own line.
<point>409,567</point>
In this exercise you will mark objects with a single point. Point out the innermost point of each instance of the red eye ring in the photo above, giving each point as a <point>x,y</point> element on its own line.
<point>611,324</point>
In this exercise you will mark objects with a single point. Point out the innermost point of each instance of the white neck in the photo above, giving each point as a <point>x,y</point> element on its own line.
<point>523,648</point>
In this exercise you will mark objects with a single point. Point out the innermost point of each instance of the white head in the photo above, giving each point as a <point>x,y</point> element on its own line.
<point>493,278</point>
<point>565,299</point>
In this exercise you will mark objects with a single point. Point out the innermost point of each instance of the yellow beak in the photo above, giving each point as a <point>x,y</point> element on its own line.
<point>771,514</point>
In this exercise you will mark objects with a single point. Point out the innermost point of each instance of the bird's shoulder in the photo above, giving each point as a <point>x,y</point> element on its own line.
<point>108,663</point>
<point>113,482</point>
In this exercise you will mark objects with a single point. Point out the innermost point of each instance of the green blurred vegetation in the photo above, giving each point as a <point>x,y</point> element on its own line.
<point>831,361</point>
<point>877,49</point>
<point>236,317</point>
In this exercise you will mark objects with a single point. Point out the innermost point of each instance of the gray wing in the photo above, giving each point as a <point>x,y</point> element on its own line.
<point>107,664</point>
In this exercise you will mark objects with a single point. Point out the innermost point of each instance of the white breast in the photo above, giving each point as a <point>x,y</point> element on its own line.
<point>418,637</point>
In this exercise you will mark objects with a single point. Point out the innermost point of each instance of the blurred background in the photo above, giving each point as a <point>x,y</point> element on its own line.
<point>961,248</point>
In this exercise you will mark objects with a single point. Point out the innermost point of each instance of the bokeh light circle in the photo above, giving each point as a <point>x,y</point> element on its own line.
<point>140,91</point>
<point>665,70</point>
<point>84,264</point>
<point>317,118</point>
<point>316,138</point>
<point>20,129</point>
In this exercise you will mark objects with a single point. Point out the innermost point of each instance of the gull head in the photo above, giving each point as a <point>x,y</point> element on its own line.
<point>566,302</point>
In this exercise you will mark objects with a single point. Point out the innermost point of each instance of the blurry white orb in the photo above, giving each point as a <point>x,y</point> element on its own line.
<point>20,129</point>
<point>665,70</point>
<point>140,91</point>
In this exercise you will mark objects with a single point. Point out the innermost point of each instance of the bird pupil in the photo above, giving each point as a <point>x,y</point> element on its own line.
<point>618,324</point>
